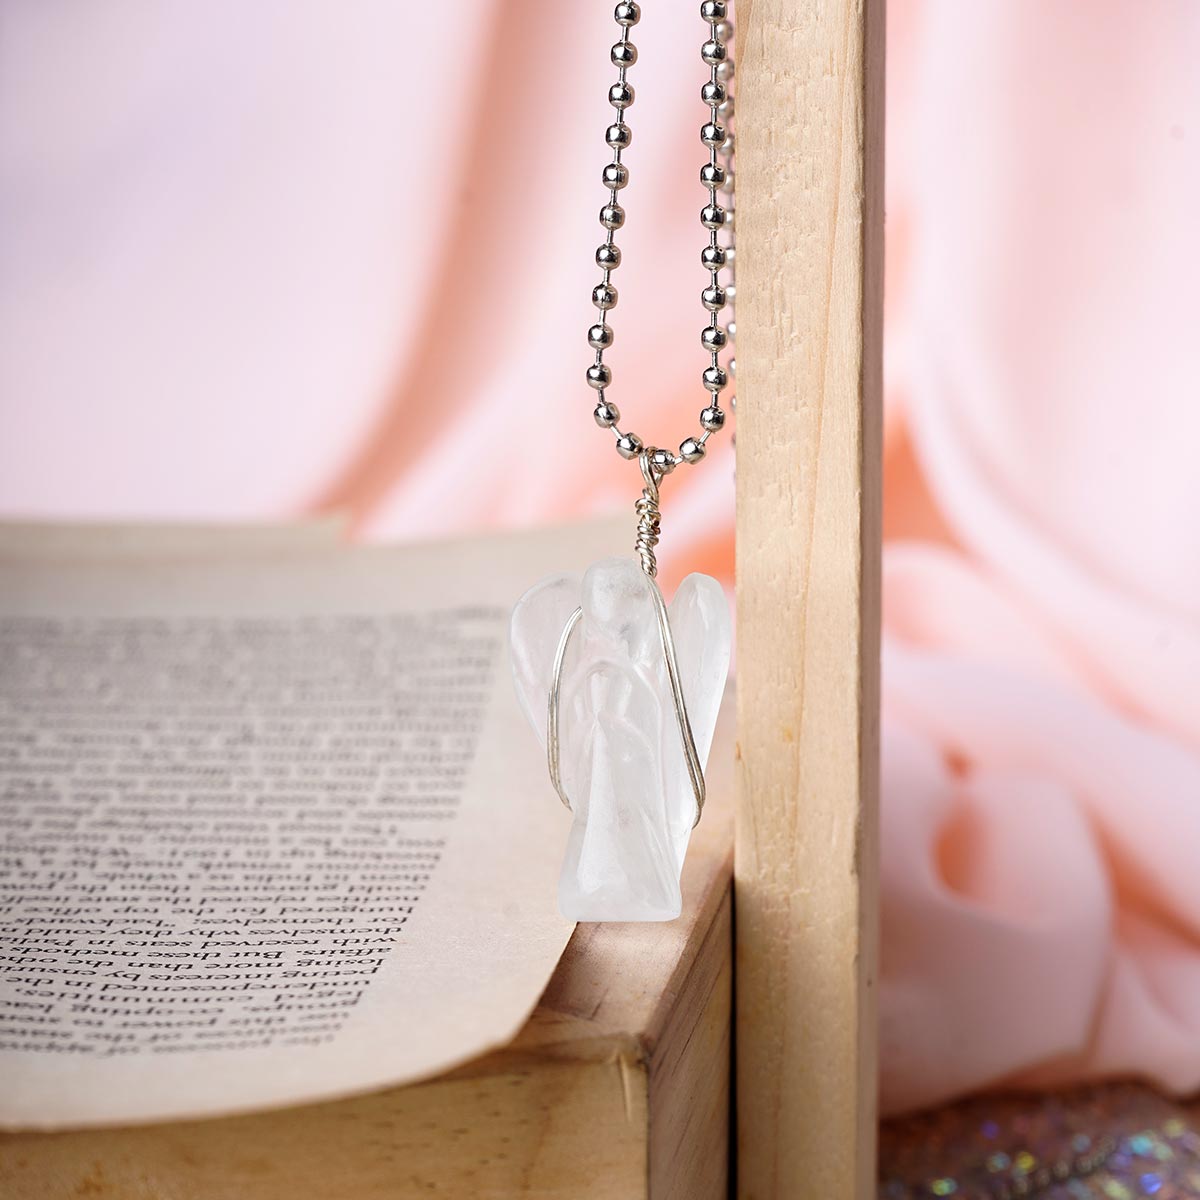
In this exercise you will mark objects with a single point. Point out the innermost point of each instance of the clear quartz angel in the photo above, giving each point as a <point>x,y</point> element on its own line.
<point>623,765</point>
<point>622,691</point>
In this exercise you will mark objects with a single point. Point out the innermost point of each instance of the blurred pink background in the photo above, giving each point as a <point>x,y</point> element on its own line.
<point>272,259</point>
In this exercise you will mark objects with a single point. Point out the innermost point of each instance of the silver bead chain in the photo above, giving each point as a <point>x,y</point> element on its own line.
<point>717,176</point>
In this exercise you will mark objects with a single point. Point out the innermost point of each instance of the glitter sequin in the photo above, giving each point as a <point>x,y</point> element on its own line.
<point>1117,1142</point>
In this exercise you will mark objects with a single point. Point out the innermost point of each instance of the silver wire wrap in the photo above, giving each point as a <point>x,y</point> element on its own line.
<point>552,709</point>
<point>649,523</point>
<point>648,501</point>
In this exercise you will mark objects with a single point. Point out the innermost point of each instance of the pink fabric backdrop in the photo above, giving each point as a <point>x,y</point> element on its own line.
<point>267,259</point>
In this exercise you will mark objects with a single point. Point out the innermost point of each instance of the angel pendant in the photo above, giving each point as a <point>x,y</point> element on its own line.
<point>623,692</point>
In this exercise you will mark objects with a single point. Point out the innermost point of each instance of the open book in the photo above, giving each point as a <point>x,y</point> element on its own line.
<point>273,827</point>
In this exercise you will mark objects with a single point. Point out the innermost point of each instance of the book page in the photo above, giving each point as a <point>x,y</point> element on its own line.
<point>273,829</point>
<point>43,541</point>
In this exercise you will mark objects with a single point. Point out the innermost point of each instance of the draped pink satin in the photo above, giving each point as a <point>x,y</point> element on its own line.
<point>260,260</point>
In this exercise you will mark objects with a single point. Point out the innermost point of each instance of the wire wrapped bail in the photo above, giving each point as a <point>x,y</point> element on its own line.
<point>648,528</point>
<point>649,524</point>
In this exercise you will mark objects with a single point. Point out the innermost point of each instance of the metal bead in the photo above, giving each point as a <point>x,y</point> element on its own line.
<point>629,445</point>
<point>599,376</point>
<point>606,414</point>
<point>620,95</point>
<point>732,367</point>
<point>717,176</point>
<point>623,54</point>
<point>730,257</point>
<point>619,135</point>
<point>731,329</point>
<point>615,175</point>
<point>612,216</point>
<point>604,296</point>
<point>731,294</point>
<point>600,336</point>
<point>663,461</point>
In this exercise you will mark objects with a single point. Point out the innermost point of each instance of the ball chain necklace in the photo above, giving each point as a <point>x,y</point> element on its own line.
<point>622,688</point>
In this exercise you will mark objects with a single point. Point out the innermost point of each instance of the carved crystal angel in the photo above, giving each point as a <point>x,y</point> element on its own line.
<point>621,729</point>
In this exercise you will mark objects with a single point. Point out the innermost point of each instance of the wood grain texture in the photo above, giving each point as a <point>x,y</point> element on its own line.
<point>617,1089</point>
<point>809,129</point>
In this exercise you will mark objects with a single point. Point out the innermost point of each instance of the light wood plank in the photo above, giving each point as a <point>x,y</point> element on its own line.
<point>809,128</point>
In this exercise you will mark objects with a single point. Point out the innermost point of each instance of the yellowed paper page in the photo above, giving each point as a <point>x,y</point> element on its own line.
<point>274,830</point>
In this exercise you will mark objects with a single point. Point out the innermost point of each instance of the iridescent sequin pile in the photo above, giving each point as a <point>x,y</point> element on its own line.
<point>1120,1142</point>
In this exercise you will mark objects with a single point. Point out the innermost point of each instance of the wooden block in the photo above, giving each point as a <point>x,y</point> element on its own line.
<point>809,130</point>
<point>617,1088</point>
